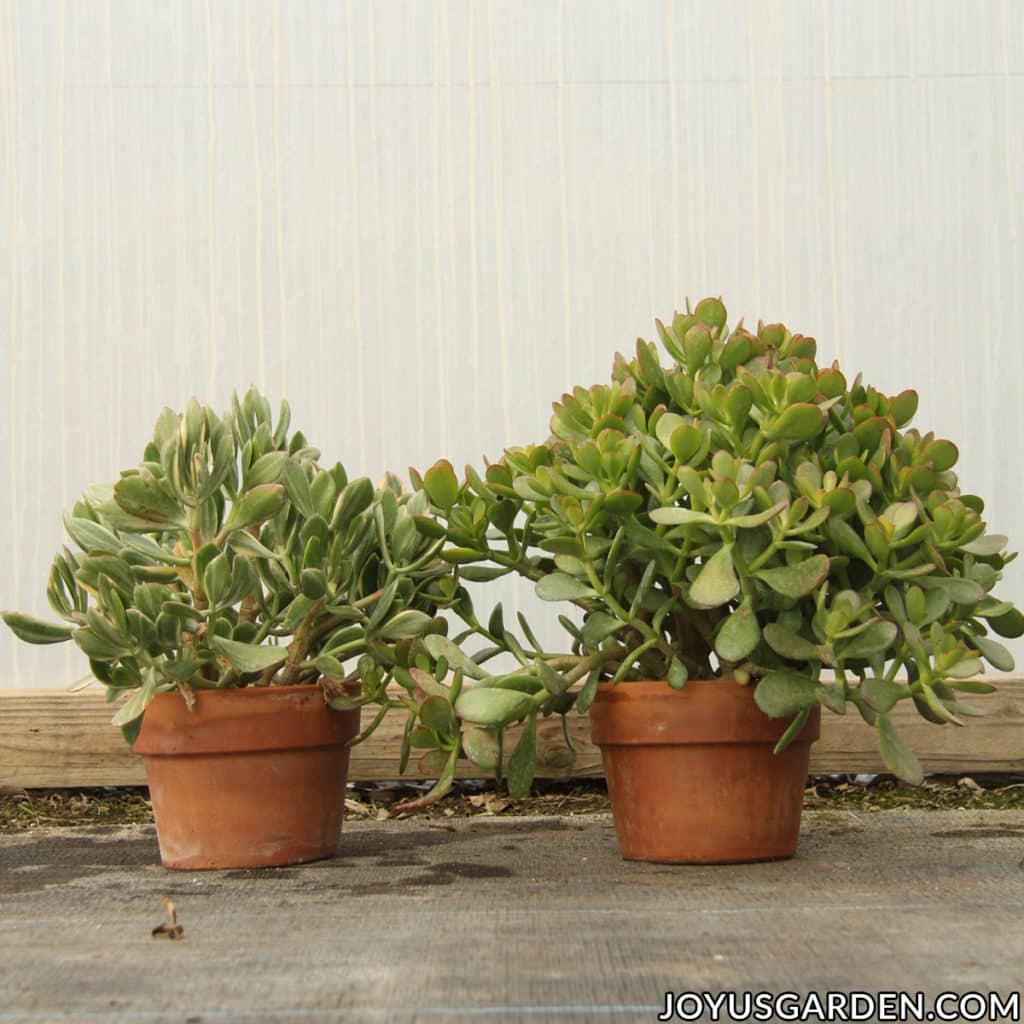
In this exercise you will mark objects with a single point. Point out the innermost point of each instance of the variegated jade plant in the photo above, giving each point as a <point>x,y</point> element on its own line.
<point>742,512</point>
<point>230,558</point>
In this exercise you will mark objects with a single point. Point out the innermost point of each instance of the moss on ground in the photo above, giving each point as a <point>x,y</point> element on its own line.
<point>939,793</point>
<point>31,808</point>
<point>28,809</point>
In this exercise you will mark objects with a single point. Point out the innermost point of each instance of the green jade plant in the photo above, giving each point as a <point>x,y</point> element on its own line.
<point>230,558</point>
<point>743,512</point>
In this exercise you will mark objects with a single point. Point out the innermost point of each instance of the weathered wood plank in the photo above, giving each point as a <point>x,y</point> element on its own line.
<point>50,738</point>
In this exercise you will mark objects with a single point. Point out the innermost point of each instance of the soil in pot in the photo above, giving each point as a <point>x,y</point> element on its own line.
<point>247,778</point>
<point>691,773</point>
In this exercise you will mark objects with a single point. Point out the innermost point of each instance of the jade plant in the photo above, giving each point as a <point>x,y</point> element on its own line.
<point>231,558</point>
<point>742,512</point>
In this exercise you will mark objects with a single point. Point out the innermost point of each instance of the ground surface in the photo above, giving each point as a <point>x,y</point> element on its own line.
<point>503,919</point>
<point>129,806</point>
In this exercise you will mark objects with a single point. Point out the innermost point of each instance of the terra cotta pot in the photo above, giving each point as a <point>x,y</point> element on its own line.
<point>691,773</point>
<point>253,777</point>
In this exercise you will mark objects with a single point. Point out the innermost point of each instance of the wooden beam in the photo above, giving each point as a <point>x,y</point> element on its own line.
<point>50,738</point>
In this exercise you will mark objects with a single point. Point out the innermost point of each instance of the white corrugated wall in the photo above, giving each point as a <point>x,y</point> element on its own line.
<point>420,221</point>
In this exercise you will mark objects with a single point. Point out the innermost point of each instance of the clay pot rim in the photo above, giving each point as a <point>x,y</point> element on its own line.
<point>239,720</point>
<point>255,688</point>
<point>253,691</point>
<point>609,687</point>
<point>704,712</point>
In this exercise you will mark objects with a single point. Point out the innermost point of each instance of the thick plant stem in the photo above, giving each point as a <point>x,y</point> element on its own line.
<point>250,606</point>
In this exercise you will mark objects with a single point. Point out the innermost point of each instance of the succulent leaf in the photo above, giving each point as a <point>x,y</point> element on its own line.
<point>739,634</point>
<point>37,631</point>
<point>442,484</point>
<point>780,694</point>
<point>523,763</point>
<point>560,587</point>
<point>716,583</point>
<point>491,707</point>
<point>248,657</point>
<point>798,579</point>
<point>897,756</point>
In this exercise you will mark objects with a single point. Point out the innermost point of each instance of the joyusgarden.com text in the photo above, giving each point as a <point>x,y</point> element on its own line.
<point>840,1006</point>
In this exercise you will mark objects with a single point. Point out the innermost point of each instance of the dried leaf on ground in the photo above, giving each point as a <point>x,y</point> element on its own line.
<point>490,803</point>
<point>170,929</point>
